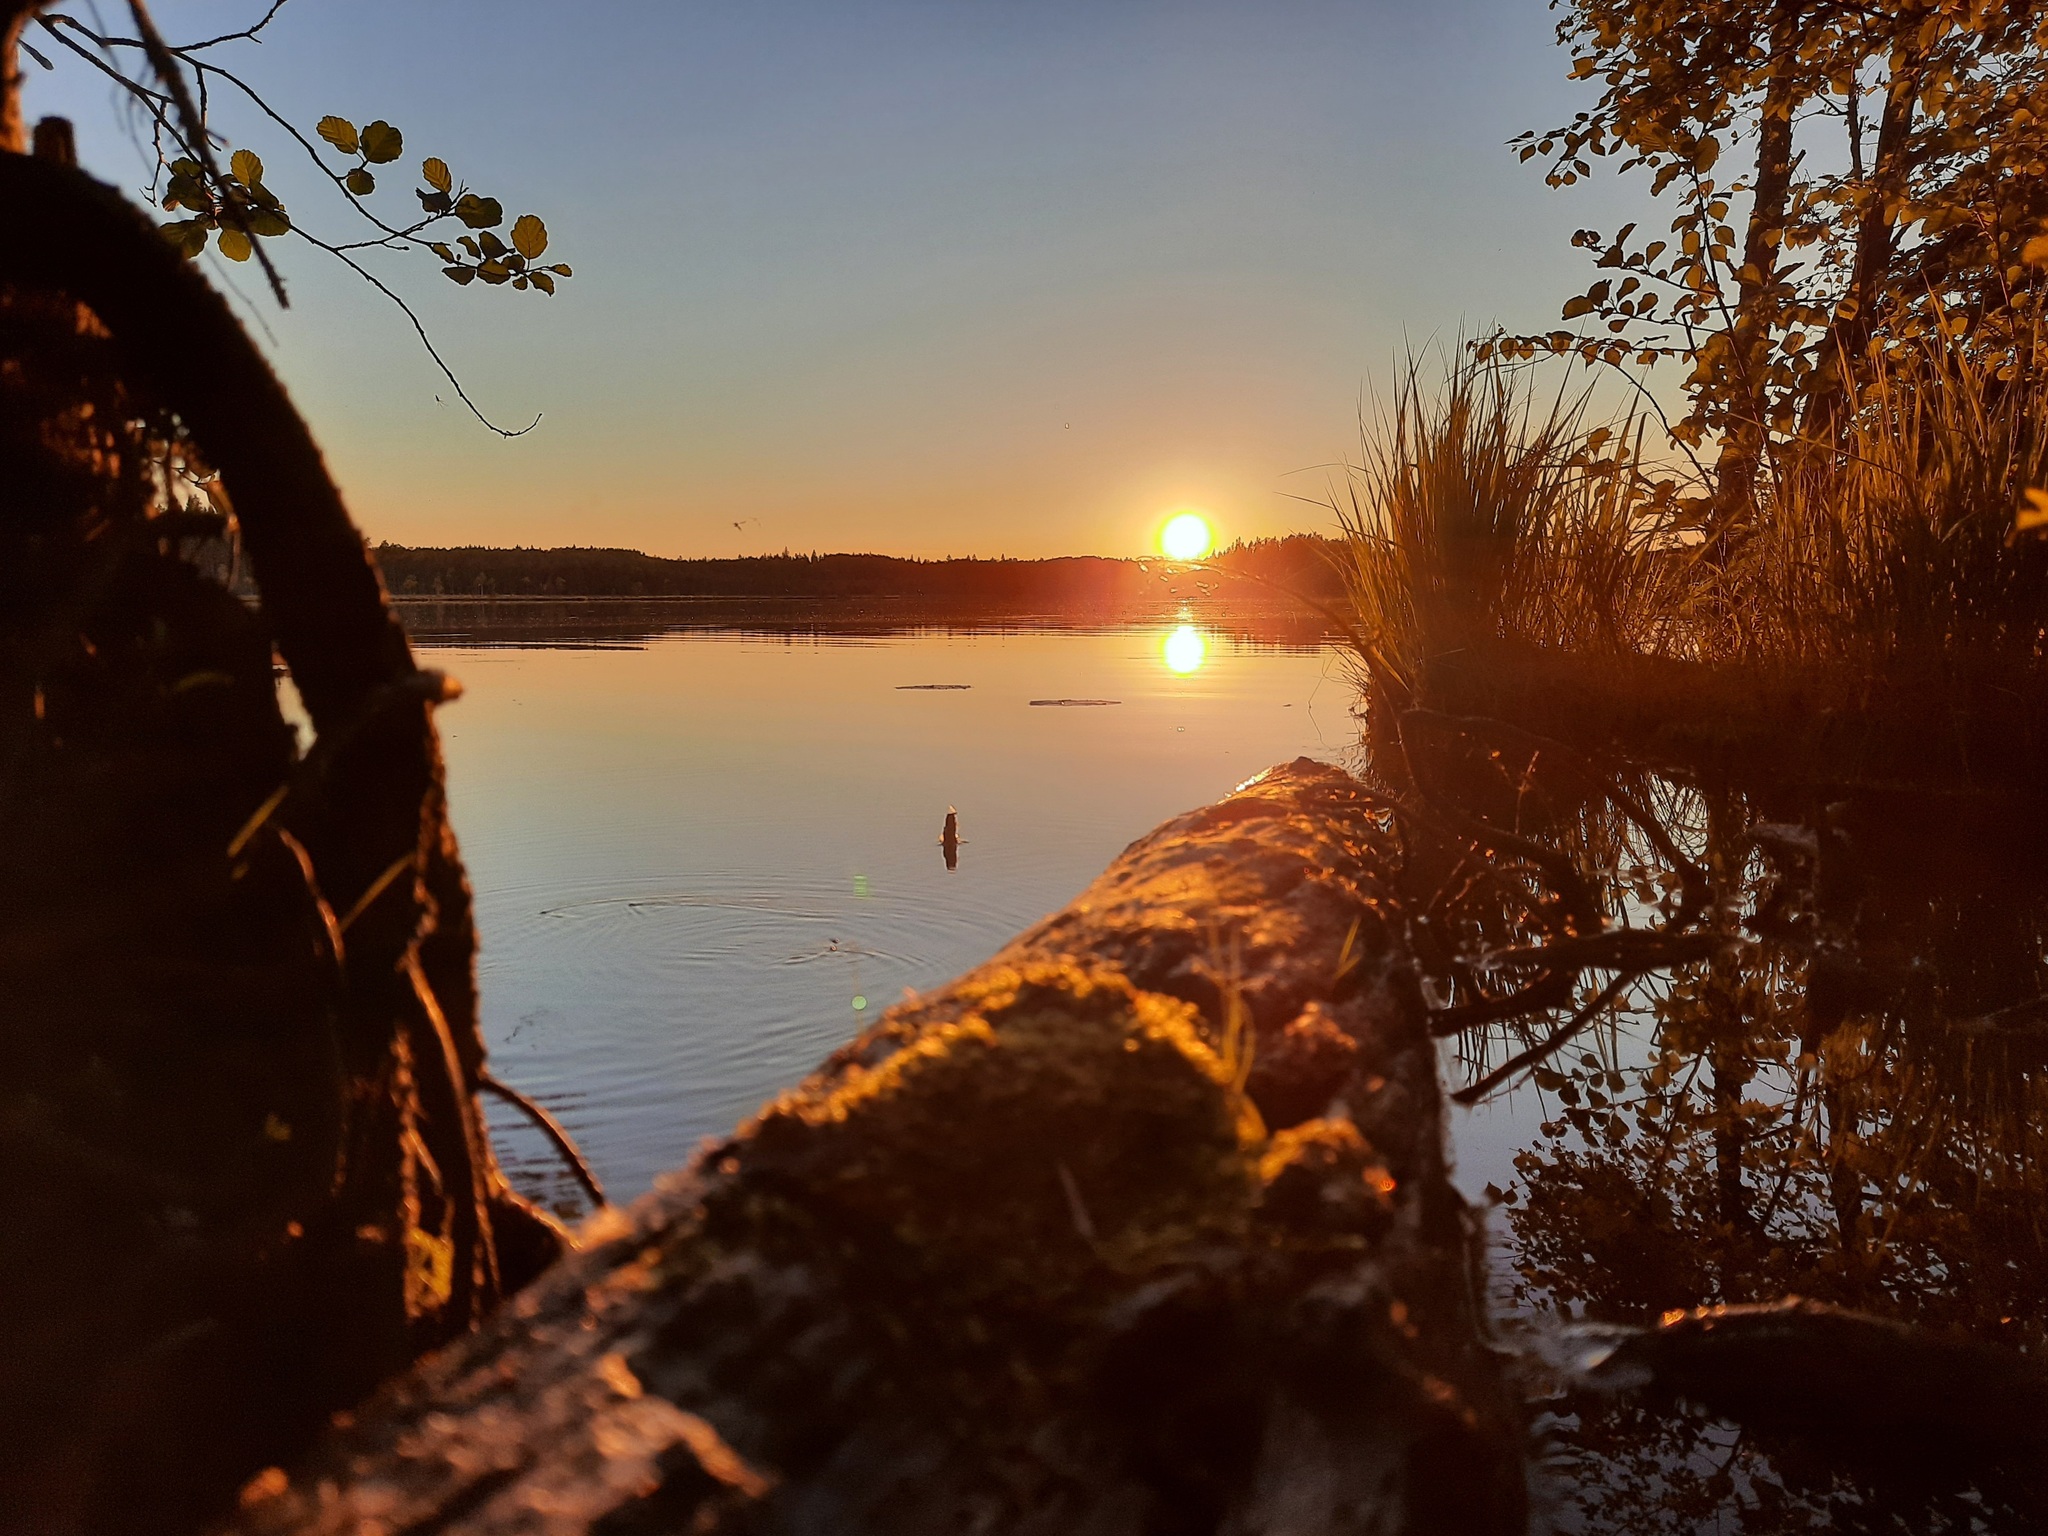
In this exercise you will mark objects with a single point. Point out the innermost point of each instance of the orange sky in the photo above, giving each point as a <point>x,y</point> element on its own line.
<point>912,276</point>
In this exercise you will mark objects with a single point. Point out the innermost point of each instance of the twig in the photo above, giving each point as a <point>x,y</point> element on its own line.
<point>425,340</point>
<point>1635,949</point>
<point>1553,989</point>
<point>564,1143</point>
<point>1557,1038</point>
<point>247,34</point>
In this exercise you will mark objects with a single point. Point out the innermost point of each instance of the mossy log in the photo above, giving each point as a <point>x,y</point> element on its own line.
<point>1144,1226</point>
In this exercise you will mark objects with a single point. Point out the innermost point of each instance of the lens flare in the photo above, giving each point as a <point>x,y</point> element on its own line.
<point>1185,650</point>
<point>1186,536</point>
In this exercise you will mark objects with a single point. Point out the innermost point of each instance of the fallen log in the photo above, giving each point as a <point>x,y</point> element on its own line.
<point>1143,1226</point>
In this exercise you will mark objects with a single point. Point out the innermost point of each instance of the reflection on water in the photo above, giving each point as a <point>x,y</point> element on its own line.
<point>1811,1063</point>
<point>1718,1040</point>
<point>704,855</point>
<point>1184,649</point>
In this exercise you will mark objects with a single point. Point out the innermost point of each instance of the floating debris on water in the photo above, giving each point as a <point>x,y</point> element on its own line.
<point>933,687</point>
<point>1072,703</point>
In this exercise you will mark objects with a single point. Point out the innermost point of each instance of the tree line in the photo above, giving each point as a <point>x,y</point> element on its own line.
<point>1298,563</point>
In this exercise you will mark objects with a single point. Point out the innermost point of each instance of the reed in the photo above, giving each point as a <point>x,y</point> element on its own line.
<point>1478,513</point>
<point>1482,521</point>
<point>1896,543</point>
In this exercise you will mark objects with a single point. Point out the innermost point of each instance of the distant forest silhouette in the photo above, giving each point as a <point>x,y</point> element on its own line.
<point>1298,563</point>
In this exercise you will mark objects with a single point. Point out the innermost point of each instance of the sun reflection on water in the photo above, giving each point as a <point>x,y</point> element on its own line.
<point>1185,650</point>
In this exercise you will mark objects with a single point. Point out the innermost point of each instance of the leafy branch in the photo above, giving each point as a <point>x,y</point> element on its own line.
<point>232,208</point>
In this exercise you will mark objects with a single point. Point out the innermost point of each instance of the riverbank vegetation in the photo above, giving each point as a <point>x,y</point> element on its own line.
<point>1716,728</point>
<point>1840,523</point>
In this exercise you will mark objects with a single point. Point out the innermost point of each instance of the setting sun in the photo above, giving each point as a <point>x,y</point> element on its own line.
<point>1186,536</point>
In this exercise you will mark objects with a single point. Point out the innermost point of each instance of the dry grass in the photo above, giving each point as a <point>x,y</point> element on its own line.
<point>1481,521</point>
<point>1898,547</point>
<point>1477,514</point>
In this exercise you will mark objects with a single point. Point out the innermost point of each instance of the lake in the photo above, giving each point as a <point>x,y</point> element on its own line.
<point>705,844</point>
<point>704,838</point>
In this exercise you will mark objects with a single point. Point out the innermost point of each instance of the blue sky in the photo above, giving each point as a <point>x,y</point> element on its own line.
<point>917,276</point>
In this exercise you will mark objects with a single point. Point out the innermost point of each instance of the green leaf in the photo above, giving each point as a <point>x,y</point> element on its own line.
<point>247,168</point>
<point>185,192</point>
<point>461,275</point>
<point>360,182</point>
<point>187,237</point>
<point>269,222</point>
<point>542,281</point>
<point>339,132</point>
<point>529,237</point>
<point>480,212</point>
<point>234,245</point>
<point>435,169</point>
<point>382,143</point>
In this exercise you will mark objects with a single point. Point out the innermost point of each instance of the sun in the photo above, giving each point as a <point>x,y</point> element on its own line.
<point>1186,536</point>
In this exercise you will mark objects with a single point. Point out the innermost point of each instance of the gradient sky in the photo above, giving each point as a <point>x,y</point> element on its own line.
<point>917,276</point>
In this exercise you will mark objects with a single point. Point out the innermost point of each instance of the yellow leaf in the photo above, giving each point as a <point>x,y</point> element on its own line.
<point>247,168</point>
<point>234,245</point>
<point>435,169</point>
<point>529,237</point>
<point>2033,512</point>
<point>339,132</point>
<point>2035,251</point>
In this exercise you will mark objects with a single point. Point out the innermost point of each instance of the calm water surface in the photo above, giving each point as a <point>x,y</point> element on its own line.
<point>705,845</point>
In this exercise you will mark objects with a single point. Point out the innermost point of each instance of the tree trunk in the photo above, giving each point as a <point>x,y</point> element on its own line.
<point>1757,285</point>
<point>15,15</point>
<point>1844,348</point>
